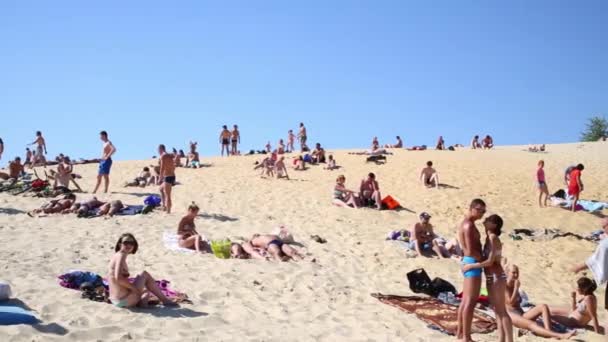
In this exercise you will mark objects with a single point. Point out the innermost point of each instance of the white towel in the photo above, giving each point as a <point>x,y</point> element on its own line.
<point>171,242</point>
<point>598,262</point>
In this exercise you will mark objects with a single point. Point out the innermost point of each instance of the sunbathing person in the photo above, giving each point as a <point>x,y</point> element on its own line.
<point>370,192</point>
<point>86,208</point>
<point>123,293</point>
<point>142,179</point>
<point>475,142</point>
<point>429,177</point>
<point>528,320</point>
<point>110,208</point>
<point>344,197</point>
<point>399,144</point>
<point>55,206</point>
<point>64,174</point>
<point>318,154</point>
<point>281,147</point>
<point>193,160</point>
<point>488,142</point>
<point>277,247</point>
<point>280,169</point>
<point>583,311</point>
<point>15,169</point>
<point>331,163</point>
<point>423,238</point>
<point>188,236</point>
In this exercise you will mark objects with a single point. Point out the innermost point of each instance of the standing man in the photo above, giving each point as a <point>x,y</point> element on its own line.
<point>167,176</point>
<point>235,140</point>
<point>302,136</point>
<point>105,164</point>
<point>575,185</point>
<point>470,242</point>
<point>40,148</point>
<point>225,140</point>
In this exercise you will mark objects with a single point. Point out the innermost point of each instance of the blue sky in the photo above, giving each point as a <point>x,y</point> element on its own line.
<point>154,72</point>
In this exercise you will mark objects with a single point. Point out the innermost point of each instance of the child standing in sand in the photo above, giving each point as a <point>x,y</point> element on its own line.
<point>541,183</point>
<point>186,231</point>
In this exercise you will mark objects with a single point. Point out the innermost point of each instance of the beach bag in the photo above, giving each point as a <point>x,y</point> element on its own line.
<point>390,203</point>
<point>307,158</point>
<point>221,248</point>
<point>419,281</point>
<point>153,200</point>
<point>439,285</point>
<point>39,184</point>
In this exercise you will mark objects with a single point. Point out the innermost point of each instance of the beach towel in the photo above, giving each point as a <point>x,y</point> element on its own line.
<point>170,241</point>
<point>598,262</point>
<point>131,210</point>
<point>438,315</point>
<point>548,234</point>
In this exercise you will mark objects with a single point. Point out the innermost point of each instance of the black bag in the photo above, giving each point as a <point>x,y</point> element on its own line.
<point>419,281</point>
<point>439,285</point>
<point>560,194</point>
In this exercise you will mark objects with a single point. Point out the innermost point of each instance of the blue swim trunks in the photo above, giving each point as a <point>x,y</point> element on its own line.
<point>104,166</point>
<point>471,273</point>
<point>427,246</point>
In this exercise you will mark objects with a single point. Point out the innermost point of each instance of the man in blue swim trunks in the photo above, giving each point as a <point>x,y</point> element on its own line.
<point>470,242</point>
<point>106,162</point>
<point>167,176</point>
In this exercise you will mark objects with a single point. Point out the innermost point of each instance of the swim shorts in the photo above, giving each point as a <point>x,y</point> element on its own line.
<point>427,246</point>
<point>104,166</point>
<point>225,142</point>
<point>170,180</point>
<point>471,273</point>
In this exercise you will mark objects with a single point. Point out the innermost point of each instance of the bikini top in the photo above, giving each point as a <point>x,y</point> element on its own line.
<point>581,307</point>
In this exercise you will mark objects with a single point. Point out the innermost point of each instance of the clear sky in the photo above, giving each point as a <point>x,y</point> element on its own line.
<point>153,72</point>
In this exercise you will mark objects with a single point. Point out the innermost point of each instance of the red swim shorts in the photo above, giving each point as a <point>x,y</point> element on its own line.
<point>573,190</point>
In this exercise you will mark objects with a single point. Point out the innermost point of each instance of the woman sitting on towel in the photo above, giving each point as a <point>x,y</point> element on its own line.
<point>188,236</point>
<point>527,320</point>
<point>583,311</point>
<point>344,197</point>
<point>123,293</point>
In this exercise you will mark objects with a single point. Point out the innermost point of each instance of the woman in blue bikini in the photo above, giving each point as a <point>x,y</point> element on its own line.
<point>123,293</point>
<point>495,276</point>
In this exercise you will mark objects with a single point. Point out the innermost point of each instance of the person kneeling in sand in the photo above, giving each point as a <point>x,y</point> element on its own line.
<point>187,234</point>
<point>280,168</point>
<point>142,179</point>
<point>429,177</point>
<point>423,238</point>
<point>123,293</point>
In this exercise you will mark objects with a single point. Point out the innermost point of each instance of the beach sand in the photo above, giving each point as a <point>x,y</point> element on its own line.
<point>326,300</point>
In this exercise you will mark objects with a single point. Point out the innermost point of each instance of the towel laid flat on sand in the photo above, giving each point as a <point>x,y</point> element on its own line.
<point>438,315</point>
<point>170,240</point>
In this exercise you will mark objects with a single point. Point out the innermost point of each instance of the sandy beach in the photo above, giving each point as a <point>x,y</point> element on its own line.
<point>325,300</point>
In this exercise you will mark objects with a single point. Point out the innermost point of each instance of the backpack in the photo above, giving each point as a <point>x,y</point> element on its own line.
<point>153,200</point>
<point>420,282</point>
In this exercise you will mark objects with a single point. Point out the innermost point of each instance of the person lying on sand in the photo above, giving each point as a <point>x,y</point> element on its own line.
<point>528,320</point>
<point>85,207</point>
<point>331,163</point>
<point>280,168</point>
<point>110,208</point>
<point>424,239</point>
<point>429,176</point>
<point>142,179</point>
<point>581,312</point>
<point>55,206</point>
<point>277,247</point>
<point>344,197</point>
<point>370,192</point>
<point>123,293</point>
<point>187,234</point>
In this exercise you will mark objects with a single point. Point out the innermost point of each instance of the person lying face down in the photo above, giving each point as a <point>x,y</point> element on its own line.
<point>277,247</point>
<point>55,206</point>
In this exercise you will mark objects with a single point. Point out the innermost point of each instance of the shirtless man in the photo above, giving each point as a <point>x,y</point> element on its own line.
<point>475,142</point>
<point>318,154</point>
<point>40,150</point>
<point>399,144</point>
<point>469,239</point>
<point>14,170</point>
<point>276,246</point>
<point>193,158</point>
<point>55,206</point>
<point>488,142</point>
<point>302,136</point>
<point>225,136</point>
<point>64,173</point>
<point>105,163</point>
<point>235,140</point>
<point>423,238</point>
<point>370,192</point>
<point>429,177</point>
<point>167,175</point>
<point>375,144</point>
<point>290,141</point>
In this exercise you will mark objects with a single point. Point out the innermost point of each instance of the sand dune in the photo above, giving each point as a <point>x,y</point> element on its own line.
<point>328,300</point>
